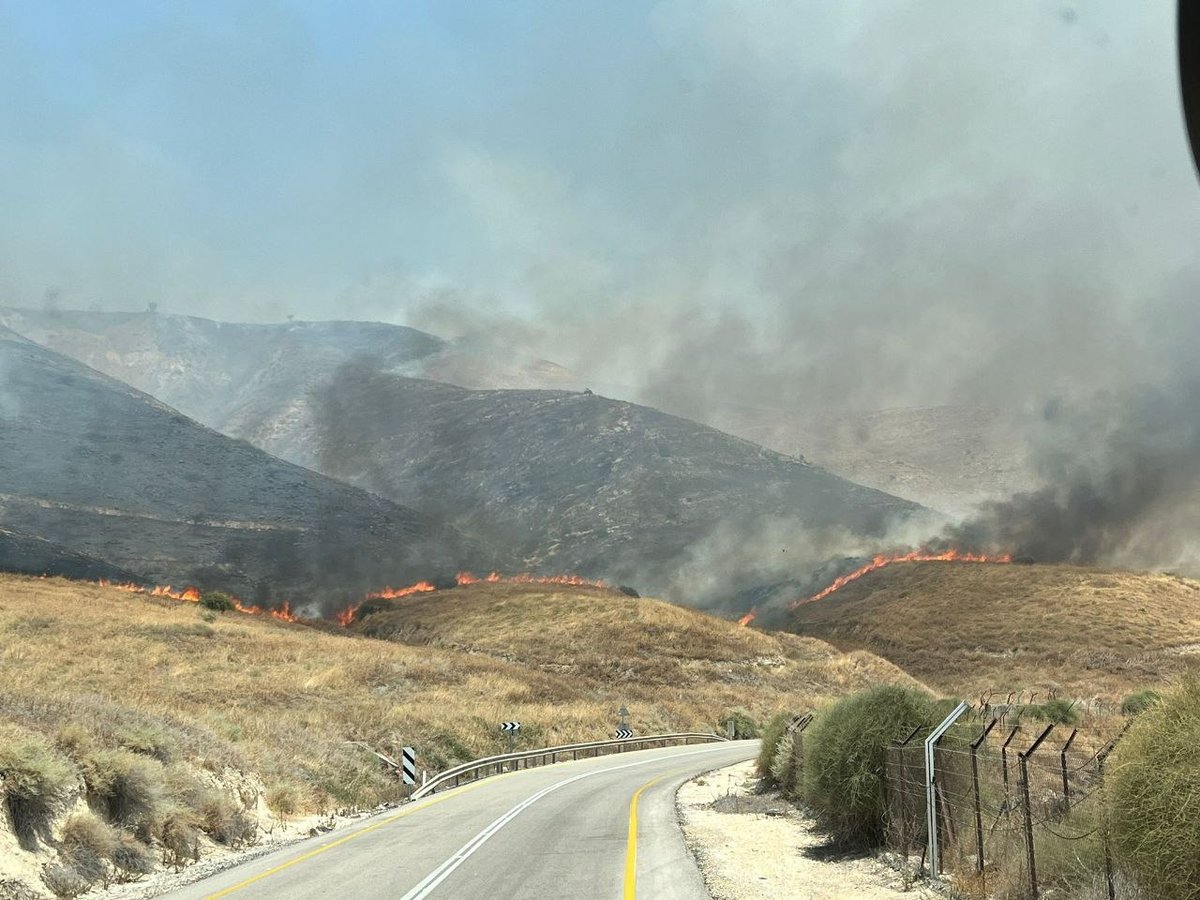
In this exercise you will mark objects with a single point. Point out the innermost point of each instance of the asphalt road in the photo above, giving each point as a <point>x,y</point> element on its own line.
<point>595,828</point>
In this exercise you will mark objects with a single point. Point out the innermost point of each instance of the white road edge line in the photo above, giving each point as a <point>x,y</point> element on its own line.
<point>442,872</point>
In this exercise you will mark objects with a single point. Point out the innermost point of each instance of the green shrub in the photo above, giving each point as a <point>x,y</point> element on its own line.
<point>771,736</point>
<point>783,766</point>
<point>845,759</point>
<point>1154,795</point>
<point>149,740</point>
<point>34,778</point>
<point>1139,702</point>
<point>740,723</point>
<point>217,601</point>
<point>1060,712</point>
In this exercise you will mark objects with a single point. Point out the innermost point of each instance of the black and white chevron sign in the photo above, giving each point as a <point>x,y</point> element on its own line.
<point>408,765</point>
<point>510,727</point>
<point>624,734</point>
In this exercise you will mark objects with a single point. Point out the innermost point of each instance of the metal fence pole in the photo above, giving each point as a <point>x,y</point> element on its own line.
<point>1062,756</point>
<point>975,744</point>
<point>1004,760</point>
<point>931,783</point>
<point>1023,764</point>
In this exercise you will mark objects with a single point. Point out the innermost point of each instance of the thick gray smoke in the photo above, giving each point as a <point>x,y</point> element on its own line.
<point>1121,471</point>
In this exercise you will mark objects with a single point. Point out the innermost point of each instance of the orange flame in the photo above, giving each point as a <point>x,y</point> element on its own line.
<point>391,593</point>
<point>284,613</point>
<point>749,617</point>
<point>883,559</point>
<point>345,617</point>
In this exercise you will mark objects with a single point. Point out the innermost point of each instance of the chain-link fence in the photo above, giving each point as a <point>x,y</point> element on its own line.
<point>1016,808</point>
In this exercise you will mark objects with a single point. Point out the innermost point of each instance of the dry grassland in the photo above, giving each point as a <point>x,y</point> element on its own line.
<point>278,700</point>
<point>967,629</point>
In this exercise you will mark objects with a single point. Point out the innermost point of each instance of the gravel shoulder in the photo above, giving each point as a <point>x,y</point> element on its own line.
<point>750,846</point>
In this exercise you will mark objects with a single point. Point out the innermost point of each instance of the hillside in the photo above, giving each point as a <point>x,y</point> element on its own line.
<point>251,381</point>
<point>244,715</point>
<point>255,382</point>
<point>104,471</point>
<point>974,628</point>
<point>576,482</point>
<point>948,458</point>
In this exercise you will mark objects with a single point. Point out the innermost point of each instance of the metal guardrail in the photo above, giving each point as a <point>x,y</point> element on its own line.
<point>526,759</point>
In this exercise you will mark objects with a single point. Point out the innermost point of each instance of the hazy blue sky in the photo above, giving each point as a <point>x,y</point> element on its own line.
<point>869,201</point>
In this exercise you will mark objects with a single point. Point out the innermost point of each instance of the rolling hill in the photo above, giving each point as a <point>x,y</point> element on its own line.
<point>575,482</point>
<point>970,629</point>
<point>105,472</point>
<point>207,721</point>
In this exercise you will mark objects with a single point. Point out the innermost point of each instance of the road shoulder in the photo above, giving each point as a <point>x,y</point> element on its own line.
<point>750,845</point>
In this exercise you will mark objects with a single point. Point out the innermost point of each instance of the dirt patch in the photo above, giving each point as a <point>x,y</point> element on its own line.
<point>758,846</point>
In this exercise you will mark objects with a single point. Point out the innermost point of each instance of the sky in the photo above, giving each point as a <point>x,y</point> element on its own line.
<point>868,203</point>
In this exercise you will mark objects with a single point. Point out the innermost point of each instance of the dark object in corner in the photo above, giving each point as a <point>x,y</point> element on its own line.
<point>1189,71</point>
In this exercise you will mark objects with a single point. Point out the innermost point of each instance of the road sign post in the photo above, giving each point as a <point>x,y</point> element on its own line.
<point>509,730</point>
<point>408,769</point>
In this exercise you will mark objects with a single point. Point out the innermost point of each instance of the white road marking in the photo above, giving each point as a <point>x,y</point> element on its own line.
<point>442,872</point>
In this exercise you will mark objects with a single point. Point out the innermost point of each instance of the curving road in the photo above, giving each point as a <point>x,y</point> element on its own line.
<point>595,828</point>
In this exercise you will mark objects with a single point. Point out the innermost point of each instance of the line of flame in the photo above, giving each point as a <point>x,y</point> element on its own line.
<point>884,559</point>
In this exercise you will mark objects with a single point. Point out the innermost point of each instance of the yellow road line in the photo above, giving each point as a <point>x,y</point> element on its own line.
<point>631,842</point>
<point>357,834</point>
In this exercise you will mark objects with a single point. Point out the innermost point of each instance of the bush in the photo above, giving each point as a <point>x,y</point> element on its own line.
<point>771,736</point>
<point>226,822</point>
<point>1154,792</point>
<point>1060,712</point>
<point>217,601</point>
<point>132,858</point>
<point>740,722</point>
<point>1139,702</point>
<point>34,778</point>
<point>177,830</point>
<point>64,882</point>
<point>283,800</point>
<point>87,844</point>
<point>845,759</point>
<point>129,785</point>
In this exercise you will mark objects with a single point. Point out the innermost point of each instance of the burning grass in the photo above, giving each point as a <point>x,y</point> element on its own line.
<point>978,629</point>
<point>171,724</point>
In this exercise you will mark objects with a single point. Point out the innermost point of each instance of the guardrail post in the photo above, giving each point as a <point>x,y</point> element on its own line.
<point>1023,764</point>
<point>931,784</point>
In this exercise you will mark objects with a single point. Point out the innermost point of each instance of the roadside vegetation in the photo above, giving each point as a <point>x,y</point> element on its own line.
<point>138,733</point>
<point>1143,808</point>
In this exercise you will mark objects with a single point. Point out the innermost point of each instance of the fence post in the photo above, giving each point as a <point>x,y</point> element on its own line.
<point>1023,764</point>
<point>898,751</point>
<point>1062,756</point>
<point>1004,762</point>
<point>931,784</point>
<point>975,744</point>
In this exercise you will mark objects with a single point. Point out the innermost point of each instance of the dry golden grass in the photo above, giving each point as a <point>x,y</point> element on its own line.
<point>278,701</point>
<point>968,628</point>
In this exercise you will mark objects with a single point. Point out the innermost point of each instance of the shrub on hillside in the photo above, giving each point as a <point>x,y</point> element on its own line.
<point>129,786</point>
<point>217,601</point>
<point>845,758</point>
<point>739,725</point>
<point>1154,792</point>
<point>1139,702</point>
<point>1058,711</point>
<point>34,778</point>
